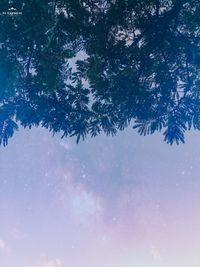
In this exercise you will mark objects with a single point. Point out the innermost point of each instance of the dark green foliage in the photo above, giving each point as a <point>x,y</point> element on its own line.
<point>141,67</point>
<point>7,129</point>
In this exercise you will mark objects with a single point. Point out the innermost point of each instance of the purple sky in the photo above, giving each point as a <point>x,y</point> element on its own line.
<point>107,202</point>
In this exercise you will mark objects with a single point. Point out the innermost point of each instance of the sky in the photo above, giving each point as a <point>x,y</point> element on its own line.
<point>106,202</point>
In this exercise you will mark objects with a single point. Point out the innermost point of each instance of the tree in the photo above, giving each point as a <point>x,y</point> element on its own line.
<point>141,67</point>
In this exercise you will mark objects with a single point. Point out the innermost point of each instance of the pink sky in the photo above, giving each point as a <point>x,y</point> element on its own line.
<point>121,202</point>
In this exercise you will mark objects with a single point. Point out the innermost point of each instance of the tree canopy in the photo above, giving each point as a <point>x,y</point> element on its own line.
<point>141,66</point>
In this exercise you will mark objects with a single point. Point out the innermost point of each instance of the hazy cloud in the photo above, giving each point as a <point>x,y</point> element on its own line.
<point>2,244</point>
<point>51,263</point>
<point>4,248</point>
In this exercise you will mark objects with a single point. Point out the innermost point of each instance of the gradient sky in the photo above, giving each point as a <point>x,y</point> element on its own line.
<point>107,202</point>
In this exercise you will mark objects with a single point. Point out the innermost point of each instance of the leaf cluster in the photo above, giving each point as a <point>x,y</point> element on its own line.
<point>141,67</point>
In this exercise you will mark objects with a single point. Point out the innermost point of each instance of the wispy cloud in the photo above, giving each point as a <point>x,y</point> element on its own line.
<point>2,244</point>
<point>17,234</point>
<point>51,263</point>
<point>4,248</point>
<point>155,254</point>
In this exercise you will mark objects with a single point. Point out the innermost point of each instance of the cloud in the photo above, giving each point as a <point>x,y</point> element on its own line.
<point>155,254</point>
<point>17,234</point>
<point>51,263</point>
<point>4,248</point>
<point>2,244</point>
